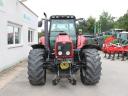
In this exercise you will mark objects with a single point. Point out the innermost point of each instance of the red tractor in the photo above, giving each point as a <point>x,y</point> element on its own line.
<point>64,52</point>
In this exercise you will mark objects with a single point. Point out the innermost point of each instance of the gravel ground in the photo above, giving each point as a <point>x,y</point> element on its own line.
<point>114,82</point>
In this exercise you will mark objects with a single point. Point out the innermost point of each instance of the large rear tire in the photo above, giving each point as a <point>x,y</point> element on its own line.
<point>91,72</point>
<point>36,72</point>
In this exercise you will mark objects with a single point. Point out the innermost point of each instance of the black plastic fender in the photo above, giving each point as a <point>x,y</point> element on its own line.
<point>90,47</point>
<point>38,46</point>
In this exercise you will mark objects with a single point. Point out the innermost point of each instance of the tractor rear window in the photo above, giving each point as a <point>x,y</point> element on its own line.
<point>63,25</point>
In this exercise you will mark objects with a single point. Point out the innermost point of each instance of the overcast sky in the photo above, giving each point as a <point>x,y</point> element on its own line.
<point>79,8</point>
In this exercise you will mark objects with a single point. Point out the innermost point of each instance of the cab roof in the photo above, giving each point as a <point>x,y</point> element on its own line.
<point>124,32</point>
<point>62,17</point>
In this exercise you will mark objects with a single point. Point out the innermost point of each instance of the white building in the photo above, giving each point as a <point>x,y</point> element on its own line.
<point>18,31</point>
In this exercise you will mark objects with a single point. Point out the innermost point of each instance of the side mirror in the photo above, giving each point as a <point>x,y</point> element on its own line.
<point>80,19</point>
<point>40,23</point>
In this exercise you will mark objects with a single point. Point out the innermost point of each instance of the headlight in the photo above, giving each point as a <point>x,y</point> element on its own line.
<point>68,53</point>
<point>60,53</point>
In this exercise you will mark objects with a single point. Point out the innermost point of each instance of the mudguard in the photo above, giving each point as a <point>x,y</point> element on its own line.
<point>91,47</point>
<point>38,46</point>
<point>42,40</point>
<point>81,41</point>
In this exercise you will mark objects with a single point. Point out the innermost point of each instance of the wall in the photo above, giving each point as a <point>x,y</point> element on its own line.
<point>14,11</point>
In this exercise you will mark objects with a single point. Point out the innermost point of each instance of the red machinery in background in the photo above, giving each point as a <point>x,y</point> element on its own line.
<point>119,45</point>
<point>107,47</point>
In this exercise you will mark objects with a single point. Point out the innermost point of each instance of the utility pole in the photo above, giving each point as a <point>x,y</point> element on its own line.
<point>99,27</point>
<point>95,29</point>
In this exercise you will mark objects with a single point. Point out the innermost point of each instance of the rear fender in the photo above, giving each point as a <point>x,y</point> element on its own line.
<point>38,46</point>
<point>91,47</point>
<point>81,41</point>
<point>42,40</point>
<point>88,47</point>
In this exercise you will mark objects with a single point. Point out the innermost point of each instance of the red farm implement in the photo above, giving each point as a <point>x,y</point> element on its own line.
<point>119,45</point>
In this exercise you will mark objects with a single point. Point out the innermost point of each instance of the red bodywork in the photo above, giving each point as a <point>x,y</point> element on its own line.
<point>126,49</point>
<point>81,41</point>
<point>42,40</point>
<point>64,38</point>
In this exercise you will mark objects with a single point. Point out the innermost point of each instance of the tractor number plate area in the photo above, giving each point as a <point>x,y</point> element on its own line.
<point>64,65</point>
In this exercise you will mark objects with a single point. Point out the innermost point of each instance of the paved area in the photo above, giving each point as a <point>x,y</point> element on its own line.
<point>114,82</point>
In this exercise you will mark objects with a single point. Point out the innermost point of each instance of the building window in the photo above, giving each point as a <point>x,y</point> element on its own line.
<point>10,35</point>
<point>30,36</point>
<point>14,35</point>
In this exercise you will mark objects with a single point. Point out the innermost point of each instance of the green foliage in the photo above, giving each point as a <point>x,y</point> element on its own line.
<point>40,34</point>
<point>82,26</point>
<point>115,41</point>
<point>122,22</point>
<point>88,27</point>
<point>90,24</point>
<point>106,36</point>
<point>106,21</point>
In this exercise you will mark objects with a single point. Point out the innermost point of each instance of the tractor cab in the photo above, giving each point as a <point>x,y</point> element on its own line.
<point>62,25</point>
<point>124,37</point>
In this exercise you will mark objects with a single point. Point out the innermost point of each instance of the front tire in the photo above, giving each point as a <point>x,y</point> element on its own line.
<point>91,71</point>
<point>36,72</point>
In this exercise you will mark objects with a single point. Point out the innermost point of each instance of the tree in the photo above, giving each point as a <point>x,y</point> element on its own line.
<point>40,34</point>
<point>122,22</point>
<point>106,21</point>
<point>81,25</point>
<point>87,26</point>
<point>90,24</point>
